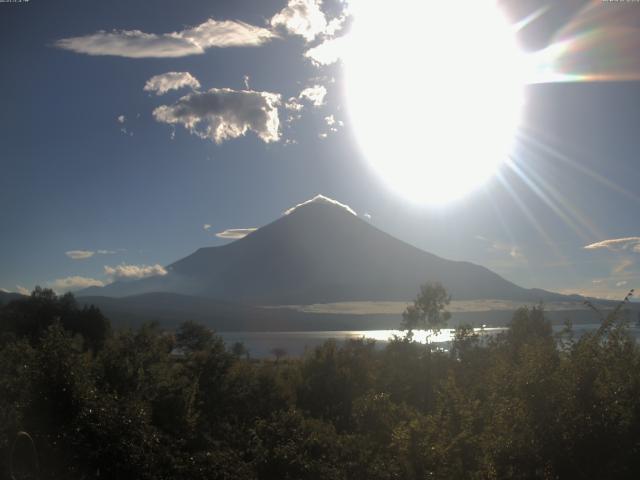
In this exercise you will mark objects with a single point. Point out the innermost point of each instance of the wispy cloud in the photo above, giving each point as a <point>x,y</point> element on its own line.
<point>235,233</point>
<point>206,226</point>
<point>621,283</point>
<point>315,94</point>
<point>301,17</point>
<point>22,290</point>
<point>131,272</point>
<point>166,82</point>
<point>617,244</point>
<point>192,41</point>
<point>623,266</point>
<point>68,284</point>
<point>324,200</point>
<point>80,254</point>
<point>84,254</point>
<point>222,113</point>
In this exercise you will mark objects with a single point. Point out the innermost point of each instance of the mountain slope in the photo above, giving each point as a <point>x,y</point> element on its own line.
<point>320,253</point>
<point>6,297</point>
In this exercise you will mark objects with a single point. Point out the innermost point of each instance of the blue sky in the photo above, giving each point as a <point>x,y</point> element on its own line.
<point>98,181</point>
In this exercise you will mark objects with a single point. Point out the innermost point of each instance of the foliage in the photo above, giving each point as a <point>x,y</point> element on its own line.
<point>149,404</point>
<point>30,318</point>
<point>429,308</point>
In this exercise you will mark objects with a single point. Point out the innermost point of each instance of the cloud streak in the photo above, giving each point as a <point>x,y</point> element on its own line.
<point>79,254</point>
<point>68,284</point>
<point>235,233</point>
<point>84,254</point>
<point>222,113</point>
<point>192,41</point>
<point>617,244</point>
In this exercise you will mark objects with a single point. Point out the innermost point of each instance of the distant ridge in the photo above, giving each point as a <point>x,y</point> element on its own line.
<point>6,297</point>
<point>321,253</point>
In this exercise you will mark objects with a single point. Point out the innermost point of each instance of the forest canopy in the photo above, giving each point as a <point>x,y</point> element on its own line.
<point>154,404</point>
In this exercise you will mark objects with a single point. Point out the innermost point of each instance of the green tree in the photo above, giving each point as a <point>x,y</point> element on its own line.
<point>429,309</point>
<point>193,336</point>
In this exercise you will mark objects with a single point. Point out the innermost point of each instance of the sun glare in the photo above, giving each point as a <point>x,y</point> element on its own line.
<point>435,91</point>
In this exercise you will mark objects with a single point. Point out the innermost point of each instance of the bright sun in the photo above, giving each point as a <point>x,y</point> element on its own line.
<point>435,91</point>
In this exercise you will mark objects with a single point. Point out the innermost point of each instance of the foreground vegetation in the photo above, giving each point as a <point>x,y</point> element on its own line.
<point>147,404</point>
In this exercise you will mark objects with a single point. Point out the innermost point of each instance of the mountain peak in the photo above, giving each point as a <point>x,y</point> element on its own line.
<point>323,200</point>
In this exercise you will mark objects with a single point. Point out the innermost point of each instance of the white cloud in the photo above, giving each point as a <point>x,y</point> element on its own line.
<point>235,233</point>
<point>617,244</point>
<point>302,17</point>
<point>328,52</point>
<point>74,283</point>
<point>621,283</point>
<point>333,125</point>
<point>84,254</point>
<point>324,200</point>
<point>335,25</point>
<point>314,94</point>
<point>121,120</point>
<point>293,104</point>
<point>367,216</point>
<point>192,41</point>
<point>23,291</point>
<point>79,254</point>
<point>206,226</point>
<point>295,108</point>
<point>222,113</point>
<point>130,272</point>
<point>165,82</point>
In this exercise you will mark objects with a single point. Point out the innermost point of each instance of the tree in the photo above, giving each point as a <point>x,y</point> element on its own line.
<point>279,353</point>
<point>239,350</point>
<point>30,317</point>
<point>429,309</point>
<point>193,336</point>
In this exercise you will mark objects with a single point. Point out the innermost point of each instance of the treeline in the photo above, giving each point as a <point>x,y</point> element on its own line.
<point>149,404</point>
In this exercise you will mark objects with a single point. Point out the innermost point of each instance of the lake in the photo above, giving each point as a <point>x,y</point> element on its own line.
<point>260,344</point>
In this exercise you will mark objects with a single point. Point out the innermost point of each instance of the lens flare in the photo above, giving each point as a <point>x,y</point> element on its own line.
<point>599,44</point>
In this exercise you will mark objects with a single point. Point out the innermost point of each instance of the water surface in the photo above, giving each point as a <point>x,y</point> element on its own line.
<point>261,344</point>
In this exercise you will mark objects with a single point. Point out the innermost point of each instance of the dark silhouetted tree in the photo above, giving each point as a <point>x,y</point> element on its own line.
<point>429,308</point>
